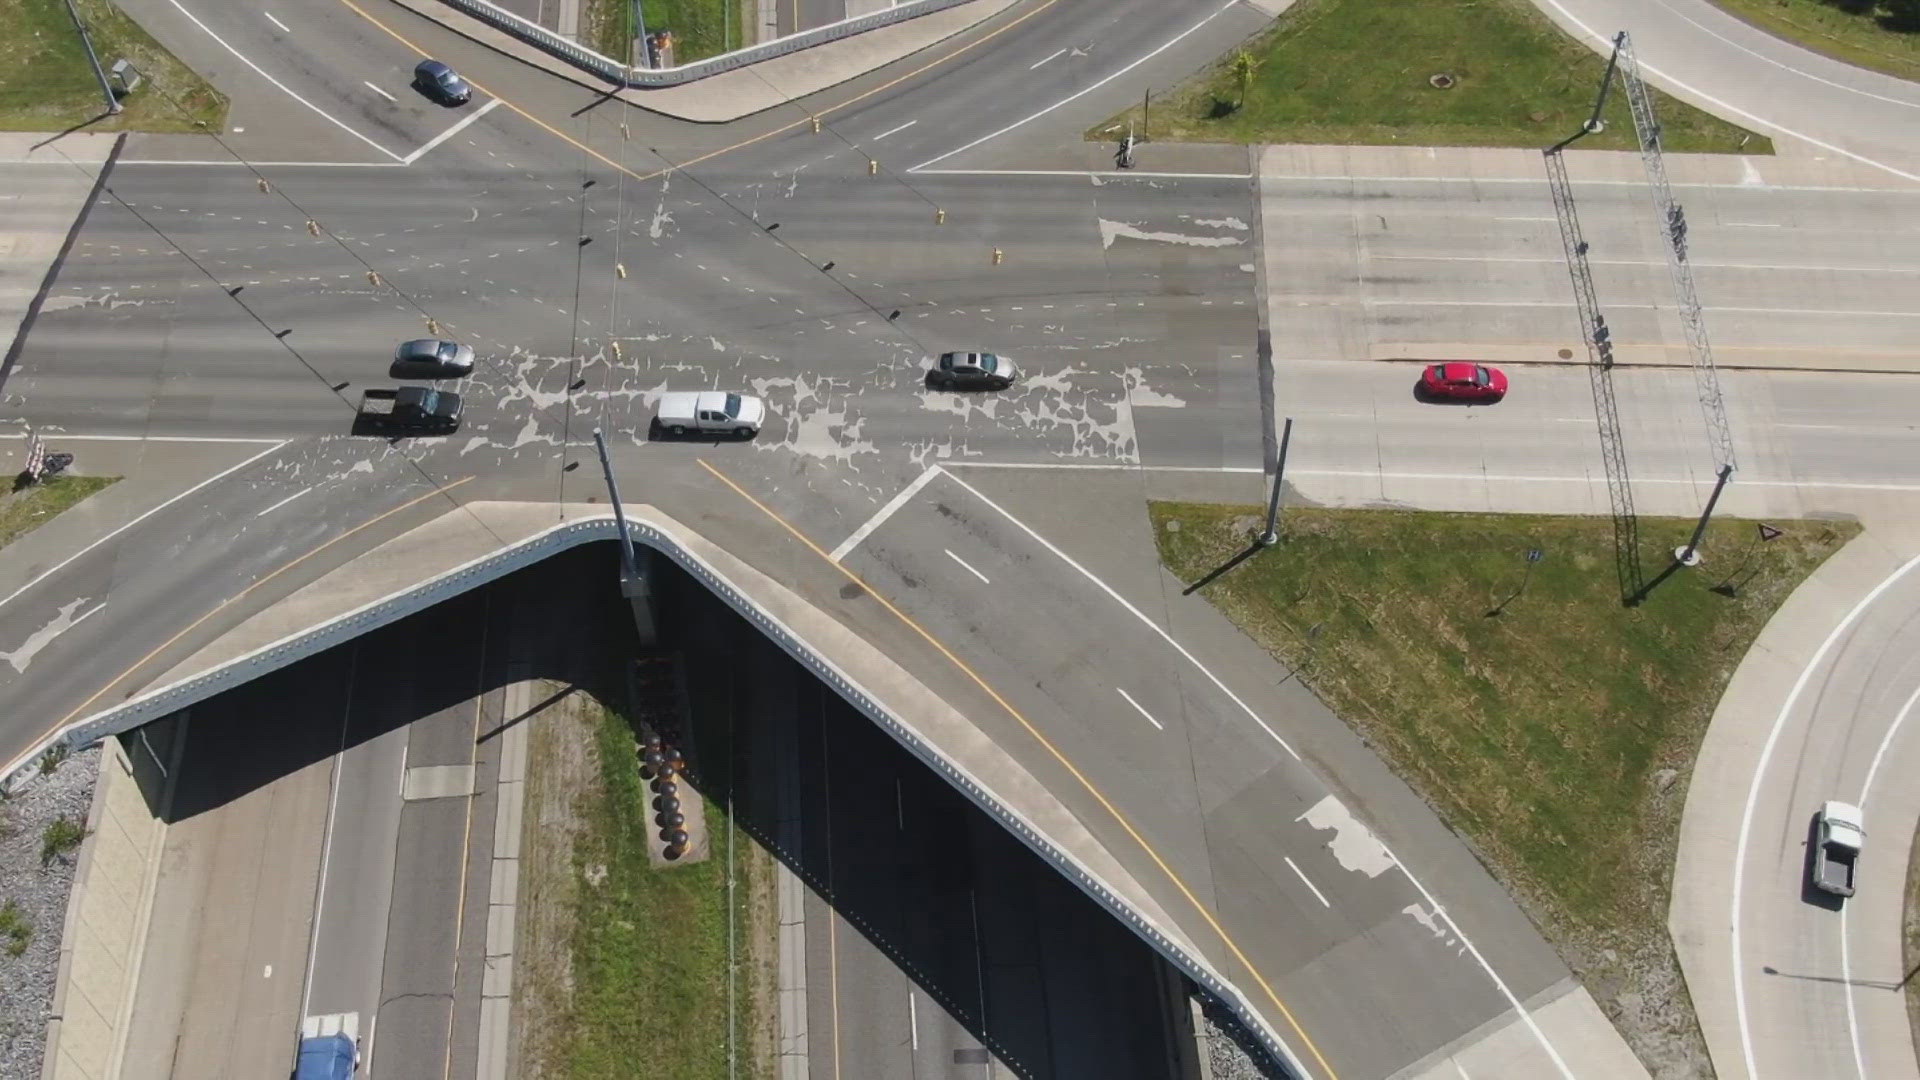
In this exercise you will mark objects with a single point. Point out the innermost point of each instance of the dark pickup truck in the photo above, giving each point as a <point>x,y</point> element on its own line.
<point>410,410</point>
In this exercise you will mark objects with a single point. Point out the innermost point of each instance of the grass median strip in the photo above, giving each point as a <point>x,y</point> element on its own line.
<point>1414,73</point>
<point>1551,725</point>
<point>25,510</point>
<point>622,964</point>
<point>1883,37</point>
<point>46,83</point>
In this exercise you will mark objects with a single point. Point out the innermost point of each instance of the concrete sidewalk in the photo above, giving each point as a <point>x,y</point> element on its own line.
<point>748,90</point>
<point>1797,636</point>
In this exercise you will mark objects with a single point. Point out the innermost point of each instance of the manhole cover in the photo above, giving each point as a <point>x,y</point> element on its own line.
<point>1441,81</point>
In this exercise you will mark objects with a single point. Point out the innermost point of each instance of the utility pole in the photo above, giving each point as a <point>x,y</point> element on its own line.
<point>633,582</point>
<point>1272,535</point>
<point>640,35</point>
<point>93,58</point>
<point>1690,555</point>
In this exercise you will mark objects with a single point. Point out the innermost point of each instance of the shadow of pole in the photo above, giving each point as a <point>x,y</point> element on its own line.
<point>1243,556</point>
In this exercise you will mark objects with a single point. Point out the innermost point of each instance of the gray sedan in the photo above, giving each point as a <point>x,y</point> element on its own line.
<point>430,359</point>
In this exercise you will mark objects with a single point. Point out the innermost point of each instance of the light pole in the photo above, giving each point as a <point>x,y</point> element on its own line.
<point>1272,535</point>
<point>93,58</point>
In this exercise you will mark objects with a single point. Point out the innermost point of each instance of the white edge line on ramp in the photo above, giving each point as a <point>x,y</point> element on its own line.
<point>63,563</point>
<point>1846,956</point>
<point>880,517</point>
<point>1164,46</point>
<point>1736,111</point>
<point>1753,797</point>
<point>276,82</point>
<point>1513,1001</point>
<point>450,132</point>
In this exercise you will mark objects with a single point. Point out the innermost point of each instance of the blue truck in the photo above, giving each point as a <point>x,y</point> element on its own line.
<point>329,1048</point>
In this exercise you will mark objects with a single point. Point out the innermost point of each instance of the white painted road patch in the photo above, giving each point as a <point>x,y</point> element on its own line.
<point>1353,844</point>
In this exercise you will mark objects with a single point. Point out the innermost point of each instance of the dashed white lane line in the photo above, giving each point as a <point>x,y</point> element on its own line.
<point>1136,705</point>
<point>1301,874</point>
<point>282,502</point>
<point>895,131</point>
<point>258,70</point>
<point>277,22</point>
<point>969,569</point>
<point>377,90</point>
<point>1055,56</point>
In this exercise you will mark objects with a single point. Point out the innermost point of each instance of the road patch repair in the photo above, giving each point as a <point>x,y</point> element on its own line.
<point>1547,721</point>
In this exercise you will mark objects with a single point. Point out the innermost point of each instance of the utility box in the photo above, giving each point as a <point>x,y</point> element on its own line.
<point>126,78</point>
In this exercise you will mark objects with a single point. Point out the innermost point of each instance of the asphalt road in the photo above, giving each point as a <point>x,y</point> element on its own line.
<point>938,945</point>
<point>1821,995</point>
<point>1131,300</point>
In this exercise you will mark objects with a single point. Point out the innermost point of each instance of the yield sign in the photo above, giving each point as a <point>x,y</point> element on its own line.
<point>1768,532</point>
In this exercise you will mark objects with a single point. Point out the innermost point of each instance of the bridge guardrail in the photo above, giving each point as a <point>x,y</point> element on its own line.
<point>613,71</point>
<point>172,698</point>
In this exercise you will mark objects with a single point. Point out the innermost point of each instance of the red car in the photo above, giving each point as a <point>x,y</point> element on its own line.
<point>1463,382</point>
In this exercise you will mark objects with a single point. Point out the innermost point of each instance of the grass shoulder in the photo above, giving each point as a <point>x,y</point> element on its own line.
<point>27,509</point>
<point>1863,34</point>
<point>1321,75</point>
<point>47,85</point>
<point>700,28</point>
<point>623,965</point>
<point>1557,735</point>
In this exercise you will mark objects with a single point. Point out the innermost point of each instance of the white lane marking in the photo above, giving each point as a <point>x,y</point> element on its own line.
<point>1055,56</point>
<point>1378,302</point>
<point>894,131</point>
<point>1685,90</point>
<point>1752,224</point>
<point>326,843</point>
<point>282,502</point>
<point>1763,58</point>
<point>62,436</point>
<point>1846,955</point>
<point>913,1019</point>
<point>1753,798</point>
<point>1527,219</point>
<point>1499,983</point>
<point>1104,465</point>
<point>63,621</point>
<point>1510,478</point>
<point>1125,603</point>
<point>377,90</point>
<point>885,512</point>
<point>63,563</point>
<point>970,569</point>
<point>271,164</point>
<point>1136,705</point>
<point>1527,260</point>
<point>276,82</point>
<point>1301,874</point>
<point>1309,178</point>
<point>276,22</point>
<point>1076,95</point>
<point>451,132</point>
<point>1082,174</point>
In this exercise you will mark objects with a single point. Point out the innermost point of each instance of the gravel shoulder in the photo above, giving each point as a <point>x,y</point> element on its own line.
<point>37,890</point>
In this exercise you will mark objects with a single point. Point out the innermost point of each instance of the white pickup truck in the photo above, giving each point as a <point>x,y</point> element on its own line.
<point>710,412</point>
<point>1838,838</point>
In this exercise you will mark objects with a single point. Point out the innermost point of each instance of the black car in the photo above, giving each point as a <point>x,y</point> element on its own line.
<point>972,369</point>
<point>428,358</point>
<point>441,82</point>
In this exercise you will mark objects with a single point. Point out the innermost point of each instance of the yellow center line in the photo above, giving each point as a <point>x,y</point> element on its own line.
<point>224,604</point>
<point>709,155</point>
<point>1105,803</point>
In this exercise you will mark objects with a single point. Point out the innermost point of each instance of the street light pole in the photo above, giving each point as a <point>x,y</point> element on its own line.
<point>640,35</point>
<point>93,58</point>
<point>1272,535</point>
<point>1690,555</point>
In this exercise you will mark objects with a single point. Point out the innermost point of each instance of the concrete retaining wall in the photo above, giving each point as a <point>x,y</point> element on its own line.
<point>105,932</point>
